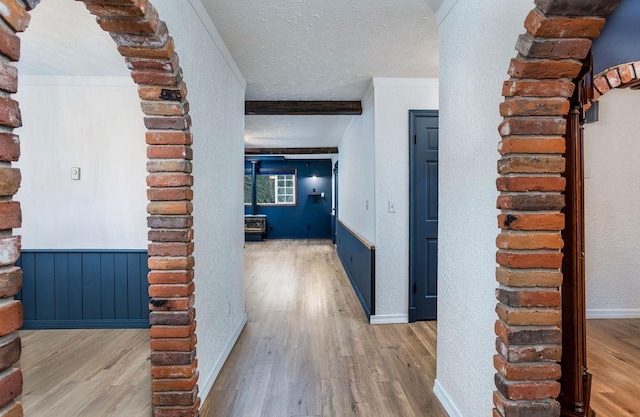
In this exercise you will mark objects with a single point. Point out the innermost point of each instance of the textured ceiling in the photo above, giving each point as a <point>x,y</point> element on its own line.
<point>286,49</point>
<point>325,49</point>
<point>294,131</point>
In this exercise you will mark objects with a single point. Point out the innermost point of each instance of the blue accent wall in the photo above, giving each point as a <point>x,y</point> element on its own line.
<point>66,289</point>
<point>358,260</point>
<point>618,42</point>
<point>311,217</point>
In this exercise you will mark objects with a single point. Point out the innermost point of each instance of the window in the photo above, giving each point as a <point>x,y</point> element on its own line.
<point>272,189</point>
<point>285,189</point>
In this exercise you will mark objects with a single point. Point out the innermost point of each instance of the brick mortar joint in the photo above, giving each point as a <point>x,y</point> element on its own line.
<point>540,80</point>
<point>543,309</point>
<point>517,97</point>
<point>516,270</point>
<point>528,251</point>
<point>530,193</point>
<point>528,289</point>
<point>532,175</point>
<point>531,155</point>
<point>523,58</point>
<point>8,338</point>
<point>530,364</point>
<point>7,371</point>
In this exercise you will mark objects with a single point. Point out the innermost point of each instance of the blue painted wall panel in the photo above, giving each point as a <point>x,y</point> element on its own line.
<point>45,287</point>
<point>311,217</point>
<point>61,273</point>
<point>91,287</point>
<point>121,285</point>
<point>107,281</point>
<point>359,263</point>
<point>75,285</point>
<point>133,268</point>
<point>84,289</point>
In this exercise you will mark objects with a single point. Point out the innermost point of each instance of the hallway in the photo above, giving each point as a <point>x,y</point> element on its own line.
<point>307,349</point>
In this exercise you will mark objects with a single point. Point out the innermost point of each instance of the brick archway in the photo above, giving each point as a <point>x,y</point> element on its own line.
<point>143,40</point>
<point>532,182</point>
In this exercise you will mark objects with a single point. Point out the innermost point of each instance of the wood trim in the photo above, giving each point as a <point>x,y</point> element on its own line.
<point>303,108</point>
<point>357,236</point>
<point>290,151</point>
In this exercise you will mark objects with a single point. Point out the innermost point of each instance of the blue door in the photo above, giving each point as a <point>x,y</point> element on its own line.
<point>423,262</point>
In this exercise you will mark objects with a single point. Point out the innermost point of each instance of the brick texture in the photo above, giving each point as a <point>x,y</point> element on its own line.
<point>9,147</point>
<point>15,15</point>
<point>9,352</point>
<point>9,181</point>
<point>149,51</point>
<point>14,409</point>
<point>531,184</point>
<point>11,314</point>
<point>10,386</point>
<point>10,282</point>
<point>9,250</point>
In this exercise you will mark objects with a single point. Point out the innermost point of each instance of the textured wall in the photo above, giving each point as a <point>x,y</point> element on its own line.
<point>216,98</point>
<point>356,173</point>
<point>612,194</point>
<point>471,76</point>
<point>394,97</point>
<point>88,123</point>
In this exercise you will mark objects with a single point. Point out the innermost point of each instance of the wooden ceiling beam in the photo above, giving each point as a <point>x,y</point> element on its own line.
<point>303,108</point>
<point>289,151</point>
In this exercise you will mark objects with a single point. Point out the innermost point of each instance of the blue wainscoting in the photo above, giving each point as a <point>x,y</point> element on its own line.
<point>84,289</point>
<point>310,218</point>
<point>359,261</point>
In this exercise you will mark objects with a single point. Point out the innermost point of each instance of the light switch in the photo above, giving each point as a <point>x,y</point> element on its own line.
<point>75,173</point>
<point>392,206</point>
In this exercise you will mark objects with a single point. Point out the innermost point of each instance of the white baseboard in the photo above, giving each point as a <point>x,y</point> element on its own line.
<point>389,319</point>
<point>446,402</point>
<point>206,386</point>
<point>613,314</point>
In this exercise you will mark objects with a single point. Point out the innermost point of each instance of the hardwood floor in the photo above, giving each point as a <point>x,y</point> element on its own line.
<point>86,373</point>
<point>613,348</point>
<point>308,350</point>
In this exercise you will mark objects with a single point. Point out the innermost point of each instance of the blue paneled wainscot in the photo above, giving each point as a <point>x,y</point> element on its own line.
<point>82,289</point>
<point>359,260</point>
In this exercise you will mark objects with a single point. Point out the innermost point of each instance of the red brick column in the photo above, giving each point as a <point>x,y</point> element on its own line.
<point>143,40</point>
<point>14,19</point>
<point>531,185</point>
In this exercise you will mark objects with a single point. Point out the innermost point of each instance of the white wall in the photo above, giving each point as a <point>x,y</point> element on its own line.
<point>101,130</point>
<point>477,39</point>
<point>394,97</point>
<point>356,199</point>
<point>95,124</point>
<point>216,98</point>
<point>612,198</point>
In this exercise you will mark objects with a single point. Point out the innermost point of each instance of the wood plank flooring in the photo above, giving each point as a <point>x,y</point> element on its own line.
<point>86,373</point>
<point>308,350</point>
<point>613,348</point>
